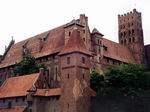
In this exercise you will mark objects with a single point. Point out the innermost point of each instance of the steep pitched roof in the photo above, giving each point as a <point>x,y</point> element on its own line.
<point>95,31</point>
<point>18,86</point>
<point>48,92</point>
<point>117,51</point>
<point>52,42</point>
<point>13,109</point>
<point>75,44</point>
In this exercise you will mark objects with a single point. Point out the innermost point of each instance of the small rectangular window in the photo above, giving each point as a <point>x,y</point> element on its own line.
<point>16,99</point>
<point>23,99</point>
<point>83,60</point>
<point>68,60</point>
<point>9,104</point>
<point>68,105</point>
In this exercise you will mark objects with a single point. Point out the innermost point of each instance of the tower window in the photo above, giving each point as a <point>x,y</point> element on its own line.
<point>16,99</point>
<point>124,34</point>
<point>133,39</point>
<point>132,24</point>
<point>69,33</point>
<point>121,34</point>
<point>83,76</point>
<point>83,31</point>
<point>68,105</point>
<point>129,32</point>
<point>129,39</point>
<point>125,41</point>
<point>132,31</point>
<point>68,76</point>
<point>100,42</point>
<point>123,26</point>
<point>68,60</point>
<point>121,41</point>
<point>83,60</point>
<point>9,104</point>
<point>84,39</point>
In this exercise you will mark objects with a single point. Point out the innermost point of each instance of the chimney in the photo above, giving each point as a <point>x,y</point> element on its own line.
<point>83,19</point>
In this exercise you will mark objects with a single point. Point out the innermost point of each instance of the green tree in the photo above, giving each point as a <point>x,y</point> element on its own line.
<point>97,81</point>
<point>27,65</point>
<point>128,79</point>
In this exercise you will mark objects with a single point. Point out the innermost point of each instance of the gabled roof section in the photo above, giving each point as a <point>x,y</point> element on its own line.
<point>43,44</point>
<point>18,86</point>
<point>95,31</point>
<point>73,22</point>
<point>75,44</point>
<point>117,51</point>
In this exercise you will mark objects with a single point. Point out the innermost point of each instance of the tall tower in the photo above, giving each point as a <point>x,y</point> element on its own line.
<point>75,75</point>
<point>130,34</point>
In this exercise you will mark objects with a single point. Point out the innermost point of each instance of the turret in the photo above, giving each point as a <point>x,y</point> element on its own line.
<point>75,74</point>
<point>130,33</point>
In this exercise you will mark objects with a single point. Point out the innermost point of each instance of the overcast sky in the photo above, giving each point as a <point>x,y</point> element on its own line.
<point>26,18</point>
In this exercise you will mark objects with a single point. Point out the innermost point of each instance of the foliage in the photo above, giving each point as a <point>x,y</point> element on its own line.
<point>97,80</point>
<point>129,79</point>
<point>27,65</point>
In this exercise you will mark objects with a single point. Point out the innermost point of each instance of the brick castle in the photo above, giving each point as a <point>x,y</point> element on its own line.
<point>69,52</point>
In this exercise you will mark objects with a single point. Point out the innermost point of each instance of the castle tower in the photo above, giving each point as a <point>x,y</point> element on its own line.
<point>82,25</point>
<point>75,75</point>
<point>131,34</point>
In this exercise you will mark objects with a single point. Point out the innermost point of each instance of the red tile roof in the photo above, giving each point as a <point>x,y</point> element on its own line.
<point>95,31</point>
<point>48,92</point>
<point>18,86</point>
<point>75,44</point>
<point>53,42</point>
<point>13,109</point>
<point>117,51</point>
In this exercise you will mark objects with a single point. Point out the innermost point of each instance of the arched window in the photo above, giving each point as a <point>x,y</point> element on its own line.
<point>130,40</point>
<point>121,34</point>
<point>83,60</point>
<point>69,33</point>
<point>129,32</point>
<point>124,34</point>
<point>68,60</point>
<point>132,24</point>
<point>125,41</point>
<point>97,41</point>
<point>121,41</point>
<point>133,39</point>
<point>68,76</point>
<point>132,31</point>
